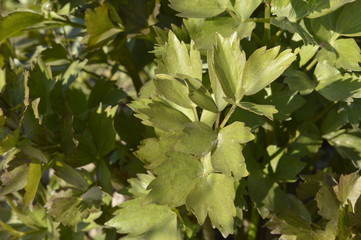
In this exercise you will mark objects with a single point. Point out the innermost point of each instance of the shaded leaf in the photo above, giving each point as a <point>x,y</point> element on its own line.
<point>263,110</point>
<point>176,178</point>
<point>197,139</point>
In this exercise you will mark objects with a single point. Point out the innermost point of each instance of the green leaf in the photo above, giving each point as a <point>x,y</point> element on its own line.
<point>197,139</point>
<point>265,66</point>
<point>349,189</point>
<point>160,115</point>
<point>173,89</point>
<point>99,26</point>
<point>299,81</point>
<point>176,177</point>
<point>306,53</point>
<point>348,22</point>
<point>285,101</point>
<point>40,86</point>
<point>294,9</point>
<point>203,31</point>
<point>350,112</point>
<point>154,151</point>
<point>176,58</point>
<point>31,187</point>
<point>67,207</point>
<point>307,140</point>
<point>15,176</point>
<point>294,27</point>
<point>9,141</point>
<point>153,222</point>
<point>18,21</point>
<point>200,95</point>
<point>104,176</point>
<point>228,157</point>
<point>215,83</point>
<point>334,86</point>
<point>347,144</point>
<point>329,206</point>
<point>140,184</point>
<point>263,110</point>
<point>102,132</point>
<point>229,62</point>
<point>214,196</point>
<point>70,175</point>
<point>284,167</point>
<point>199,8</point>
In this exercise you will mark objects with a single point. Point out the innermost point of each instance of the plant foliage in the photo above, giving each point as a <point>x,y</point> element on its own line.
<point>180,119</point>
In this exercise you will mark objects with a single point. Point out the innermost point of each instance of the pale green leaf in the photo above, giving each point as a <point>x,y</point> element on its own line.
<point>199,8</point>
<point>197,139</point>
<point>229,62</point>
<point>342,53</point>
<point>151,222</point>
<point>306,53</point>
<point>34,176</point>
<point>228,157</point>
<point>349,189</point>
<point>245,8</point>
<point>176,177</point>
<point>215,83</point>
<point>214,196</point>
<point>263,110</point>
<point>173,89</point>
<point>18,21</point>
<point>176,58</point>
<point>265,66</point>
<point>203,31</point>
<point>139,185</point>
<point>327,203</point>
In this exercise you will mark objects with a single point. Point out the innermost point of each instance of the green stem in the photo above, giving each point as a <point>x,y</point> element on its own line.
<point>252,231</point>
<point>267,26</point>
<point>73,24</point>
<point>217,121</point>
<point>195,113</point>
<point>311,65</point>
<point>207,230</point>
<point>229,114</point>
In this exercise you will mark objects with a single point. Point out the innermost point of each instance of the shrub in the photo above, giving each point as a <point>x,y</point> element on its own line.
<point>163,120</point>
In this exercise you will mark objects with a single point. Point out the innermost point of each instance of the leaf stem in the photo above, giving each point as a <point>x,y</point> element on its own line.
<point>195,113</point>
<point>267,25</point>
<point>311,65</point>
<point>229,114</point>
<point>252,231</point>
<point>216,126</point>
